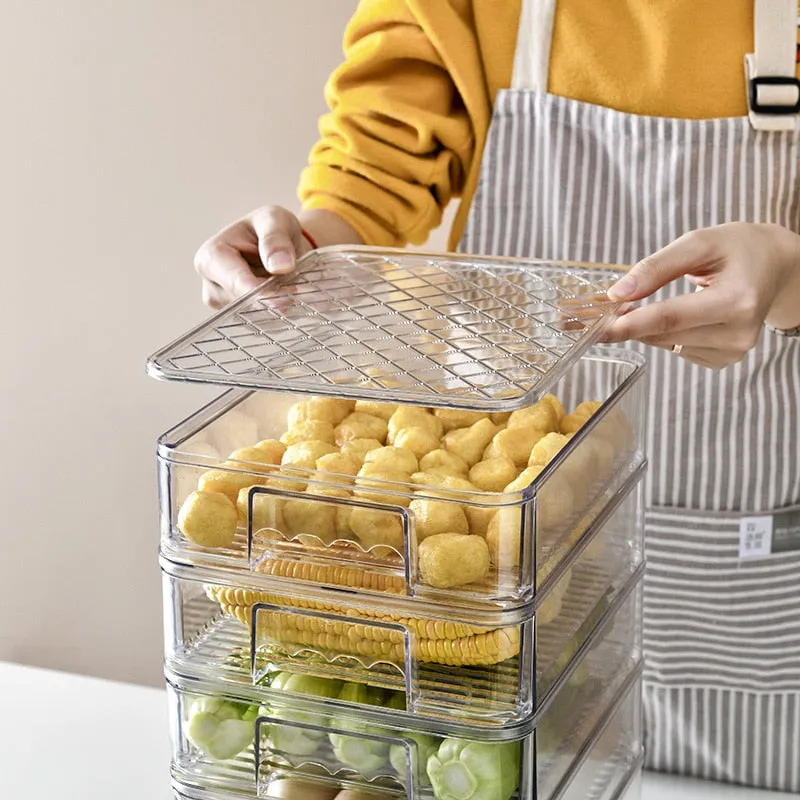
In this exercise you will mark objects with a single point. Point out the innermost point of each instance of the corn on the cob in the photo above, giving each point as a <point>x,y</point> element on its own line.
<point>490,647</point>
<point>349,577</point>
<point>234,599</point>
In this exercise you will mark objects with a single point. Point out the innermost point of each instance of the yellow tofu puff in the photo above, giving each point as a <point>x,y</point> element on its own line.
<point>580,466</point>
<point>313,518</point>
<point>433,477</point>
<point>616,429</point>
<point>253,458</point>
<point>311,429</point>
<point>375,483</point>
<point>209,519</point>
<point>266,510</point>
<point>556,405</point>
<point>469,443</point>
<point>500,417</point>
<point>304,455</point>
<point>504,531</point>
<point>433,516</point>
<point>439,478</point>
<point>227,482</point>
<point>339,464</point>
<point>326,409</point>
<point>493,474</point>
<point>343,510</point>
<point>480,514</point>
<point>395,458</point>
<point>361,426</point>
<point>358,448</point>
<point>547,448</point>
<point>441,459</point>
<point>413,417</point>
<point>544,415</point>
<point>377,530</point>
<point>418,439</point>
<point>274,450</point>
<point>453,418</point>
<point>514,443</point>
<point>300,459</point>
<point>575,420</point>
<point>382,410</point>
<point>447,560</point>
<point>556,503</point>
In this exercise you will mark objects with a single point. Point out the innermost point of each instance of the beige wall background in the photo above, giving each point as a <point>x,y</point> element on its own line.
<point>129,133</point>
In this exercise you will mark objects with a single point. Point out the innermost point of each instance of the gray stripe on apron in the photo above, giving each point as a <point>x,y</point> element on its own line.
<point>562,179</point>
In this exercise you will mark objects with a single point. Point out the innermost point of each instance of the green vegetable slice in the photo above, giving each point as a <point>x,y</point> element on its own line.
<point>463,770</point>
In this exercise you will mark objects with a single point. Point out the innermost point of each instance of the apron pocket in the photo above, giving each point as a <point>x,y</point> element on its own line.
<point>722,648</point>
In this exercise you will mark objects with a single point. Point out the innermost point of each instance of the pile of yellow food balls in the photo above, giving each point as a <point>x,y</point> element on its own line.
<point>376,454</point>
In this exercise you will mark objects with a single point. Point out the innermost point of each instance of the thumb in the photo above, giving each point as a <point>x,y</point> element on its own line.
<point>278,232</point>
<point>277,252</point>
<point>678,258</point>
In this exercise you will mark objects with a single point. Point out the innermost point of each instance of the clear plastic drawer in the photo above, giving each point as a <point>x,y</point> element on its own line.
<point>590,732</point>
<point>481,514</point>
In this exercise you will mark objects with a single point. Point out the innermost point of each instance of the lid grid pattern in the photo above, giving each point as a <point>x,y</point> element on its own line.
<point>415,327</point>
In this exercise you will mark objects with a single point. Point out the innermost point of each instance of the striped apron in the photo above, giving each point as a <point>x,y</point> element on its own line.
<point>566,180</point>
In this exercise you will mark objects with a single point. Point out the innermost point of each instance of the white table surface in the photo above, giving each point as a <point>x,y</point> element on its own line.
<point>65,736</point>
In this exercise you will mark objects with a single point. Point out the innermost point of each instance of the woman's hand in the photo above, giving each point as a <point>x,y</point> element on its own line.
<point>749,274</point>
<point>268,241</point>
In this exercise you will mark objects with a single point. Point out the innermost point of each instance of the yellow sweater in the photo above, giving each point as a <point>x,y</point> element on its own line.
<point>411,104</point>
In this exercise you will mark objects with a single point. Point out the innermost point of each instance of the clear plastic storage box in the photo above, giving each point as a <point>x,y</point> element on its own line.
<point>403,553</point>
<point>244,741</point>
<point>466,663</point>
<point>410,408</point>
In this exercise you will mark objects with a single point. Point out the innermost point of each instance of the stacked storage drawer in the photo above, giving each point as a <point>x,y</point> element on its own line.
<point>404,568</point>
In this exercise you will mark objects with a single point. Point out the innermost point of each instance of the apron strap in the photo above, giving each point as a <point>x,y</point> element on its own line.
<point>534,36</point>
<point>773,90</point>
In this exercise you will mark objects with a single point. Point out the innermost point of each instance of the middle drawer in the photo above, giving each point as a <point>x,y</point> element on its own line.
<point>463,664</point>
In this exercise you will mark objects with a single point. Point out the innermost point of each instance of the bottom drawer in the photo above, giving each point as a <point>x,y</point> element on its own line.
<point>609,769</point>
<point>249,742</point>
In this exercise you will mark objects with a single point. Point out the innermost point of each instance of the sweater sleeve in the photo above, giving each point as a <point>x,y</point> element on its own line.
<point>397,141</point>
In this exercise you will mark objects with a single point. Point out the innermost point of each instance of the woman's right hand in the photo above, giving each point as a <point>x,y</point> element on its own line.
<point>268,241</point>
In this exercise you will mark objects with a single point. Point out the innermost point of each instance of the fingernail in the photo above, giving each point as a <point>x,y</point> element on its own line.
<point>280,262</point>
<point>623,288</point>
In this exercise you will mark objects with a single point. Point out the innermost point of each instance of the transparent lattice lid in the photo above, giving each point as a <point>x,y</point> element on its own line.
<point>421,328</point>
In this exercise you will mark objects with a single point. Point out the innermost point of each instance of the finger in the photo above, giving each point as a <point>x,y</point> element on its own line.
<point>229,269</point>
<point>213,295</point>
<point>681,313</point>
<point>279,239</point>
<point>692,252</point>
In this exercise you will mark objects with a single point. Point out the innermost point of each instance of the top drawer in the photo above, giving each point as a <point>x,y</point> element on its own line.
<point>455,506</point>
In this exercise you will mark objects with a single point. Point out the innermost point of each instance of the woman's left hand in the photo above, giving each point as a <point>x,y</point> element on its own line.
<point>749,274</point>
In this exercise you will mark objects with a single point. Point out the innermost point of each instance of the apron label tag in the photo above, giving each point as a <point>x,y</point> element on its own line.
<point>755,537</point>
